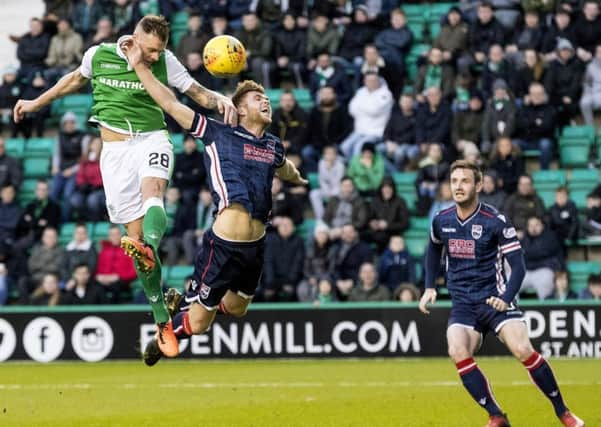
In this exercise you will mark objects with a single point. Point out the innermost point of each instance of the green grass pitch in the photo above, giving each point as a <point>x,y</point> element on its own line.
<point>366,393</point>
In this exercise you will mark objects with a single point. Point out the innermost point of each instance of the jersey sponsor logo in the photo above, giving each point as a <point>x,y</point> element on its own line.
<point>476,231</point>
<point>448,230</point>
<point>509,233</point>
<point>204,291</point>
<point>460,248</point>
<point>121,84</point>
<point>258,154</point>
<point>109,65</point>
<point>270,144</point>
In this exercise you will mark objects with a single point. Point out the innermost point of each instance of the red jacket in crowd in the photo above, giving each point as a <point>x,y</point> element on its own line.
<point>89,175</point>
<point>112,260</point>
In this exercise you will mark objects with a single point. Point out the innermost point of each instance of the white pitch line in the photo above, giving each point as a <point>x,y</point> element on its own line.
<point>292,385</point>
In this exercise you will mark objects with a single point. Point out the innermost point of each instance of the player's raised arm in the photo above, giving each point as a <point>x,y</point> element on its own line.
<point>69,83</point>
<point>161,94</point>
<point>214,100</point>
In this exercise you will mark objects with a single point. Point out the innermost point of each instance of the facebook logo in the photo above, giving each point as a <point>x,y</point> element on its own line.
<point>43,339</point>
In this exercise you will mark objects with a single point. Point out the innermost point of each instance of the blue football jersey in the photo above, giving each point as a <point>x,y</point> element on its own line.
<point>474,251</point>
<point>241,166</point>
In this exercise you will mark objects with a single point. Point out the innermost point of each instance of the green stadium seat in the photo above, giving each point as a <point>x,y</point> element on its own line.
<point>27,191</point>
<point>574,155</point>
<point>586,177</point>
<point>66,233</point>
<point>313,178</point>
<point>577,132</point>
<point>179,26</point>
<point>419,224</point>
<point>150,7</point>
<point>434,29</point>
<point>100,231</point>
<point>416,242</point>
<point>180,272</point>
<point>15,147</point>
<point>548,196</point>
<point>305,230</point>
<point>177,139</point>
<point>549,179</point>
<point>39,147</point>
<point>415,10</point>
<point>36,167</point>
<point>417,29</point>
<point>437,10</point>
<point>531,153</point>
<point>405,187</point>
<point>579,271</point>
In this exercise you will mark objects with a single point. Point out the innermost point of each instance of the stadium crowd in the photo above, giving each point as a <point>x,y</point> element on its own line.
<point>497,81</point>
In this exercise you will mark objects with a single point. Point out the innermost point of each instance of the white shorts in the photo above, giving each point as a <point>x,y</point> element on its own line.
<point>123,164</point>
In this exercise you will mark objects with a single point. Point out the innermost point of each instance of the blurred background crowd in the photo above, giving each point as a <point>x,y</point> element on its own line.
<point>373,100</point>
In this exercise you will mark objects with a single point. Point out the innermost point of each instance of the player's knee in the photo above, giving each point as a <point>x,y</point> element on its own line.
<point>199,326</point>
<point>523,351</point>
<point>458,353</point>
<point>238,311</point>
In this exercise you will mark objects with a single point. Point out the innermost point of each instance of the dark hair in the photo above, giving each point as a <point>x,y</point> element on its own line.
<point>80,265</point>
<point>347,178</point>
<point>81,224</point>
<point>243,88</point>
<point>594,279</point>
<point>562,189</point>
<point>155,24</point>
<point>464,164</point>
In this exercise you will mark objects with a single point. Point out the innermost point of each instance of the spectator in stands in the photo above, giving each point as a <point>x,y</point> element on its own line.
<point>203,217</point>
<point>561,28</point>
<point>330,171</point>
<point>46,258</point>
<point>593,289</point>
<point>47,293</point>
<point>442,201</point>
<point>194,40</point>
<point>82,289</point>
<point>348,254</point>
<point>345,208</point>
<point>591,88</point>
<point>86,16</point>
<point>389,215</point>
<point>115,270</point>
<point>373,62</point>
<point>189,173</point>
<point>592,224</point>
<point>506,160</point>
<point>285,203</point>
<point>523,204</point>
<point>317,261</point>
<point>65,52</point>
<point>79,251</point>
<point>543,255</point>
<point>284,261</point>
<point>467,125</point>
<point>124,16</point>
<point>357,35</point>
<point>435,73</point>
<point>104,33</point>
<point>561,290</point>
<point>10,168</point>
<point>499,116</point>
<point>433,169</point>
<point>71,145</point>
<point>88,199</point>
<point>367,287</point>
<point>484,33</point>
<point>490,193</point>
<point>236,9</point>
<point>370,109</point>
<point>532,71</point>
<point>327,73</point>
<point>395,42</point>
<point>530,36</point>
<point>40,213</point>
<point>325,291</point>
<point>399,145</point>
<point>588,30</point>
<point>289,123</point>
<point>366,169</point>
<point>10,212</point>
<point>269,11</point>
<point>290,51</point>
<point>563,82</point>
<point>452,40</point>
<point>179,219</point>
<point>406,292</point>
<point>563,216</point>
<point>32,50</point>
<point>433,119</point>
<point>396,265</point>
<point>321,38</point>
<point>329,123</point>
<point>259,47</point>
<point>10,92</point>
<point>496,67</point>
<point>535,124</point>
<point>33,122</point>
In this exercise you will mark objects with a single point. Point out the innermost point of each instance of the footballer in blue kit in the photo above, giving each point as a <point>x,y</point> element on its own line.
<point>242,162</point>
<point>478,242</point>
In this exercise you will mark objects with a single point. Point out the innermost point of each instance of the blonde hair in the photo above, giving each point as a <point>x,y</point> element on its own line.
<point>155,24</point>
<point>464,164</point>
<point>243,88</point>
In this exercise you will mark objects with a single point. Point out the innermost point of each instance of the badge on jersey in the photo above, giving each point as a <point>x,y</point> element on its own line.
<point>476,231</point>
<point>509,233</point>
<point>204,291</point>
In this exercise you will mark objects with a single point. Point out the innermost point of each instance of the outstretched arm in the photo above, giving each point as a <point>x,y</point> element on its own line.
<point>288,172</point>
<point>161,94</point>
<point>214,100</point>
<point>69,83</point>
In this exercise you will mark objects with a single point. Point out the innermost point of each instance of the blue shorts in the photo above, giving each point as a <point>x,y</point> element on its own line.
<point>482,317</point>
<point>222,265</point>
